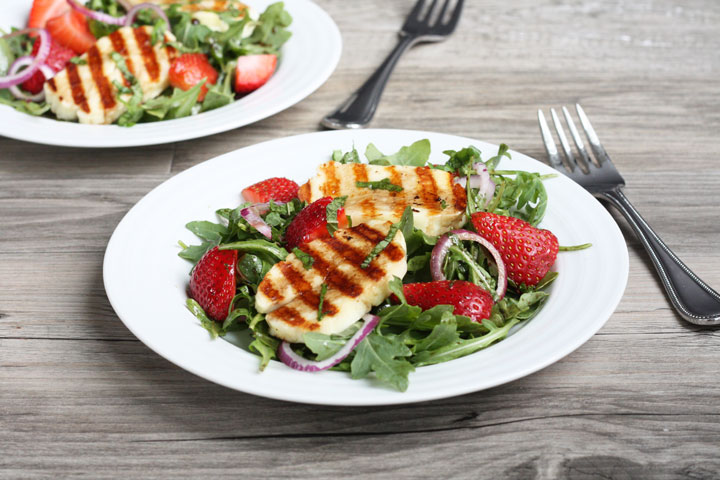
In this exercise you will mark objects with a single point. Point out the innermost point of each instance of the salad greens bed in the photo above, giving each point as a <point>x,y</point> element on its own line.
<point>406,336</point>
<point>269,33</point>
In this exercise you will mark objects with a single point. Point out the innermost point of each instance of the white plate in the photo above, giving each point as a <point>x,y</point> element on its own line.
<point>146,281</point>
<point>308,59</point>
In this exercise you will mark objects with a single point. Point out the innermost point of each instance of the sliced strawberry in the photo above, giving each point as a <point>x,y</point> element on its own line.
<point>311,223</point>
<point>71,30</point>
<point>213,282</point>
<point>56,60</point>
<point>44,10</point>
<point>189,69</point>
<point>528,252</point>
<point>278,189</point>
<point>252,71</point>
<point>467,298</point>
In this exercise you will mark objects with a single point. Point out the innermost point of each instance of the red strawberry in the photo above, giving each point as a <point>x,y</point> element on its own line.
<point>56,60</point>
<point>252,71</point>
<point>44,10</point>
<point>71,30</point>
<point>467,298</point>
<point>277,188</point>
<point>528,252</point>
<point>213,283</point>
<point>189,69</point>
<point>311,223</point>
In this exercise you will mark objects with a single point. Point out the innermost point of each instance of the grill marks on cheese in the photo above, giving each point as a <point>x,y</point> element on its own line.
<point>86,92</point>
<point>290,294</point>
<point>425,189</point>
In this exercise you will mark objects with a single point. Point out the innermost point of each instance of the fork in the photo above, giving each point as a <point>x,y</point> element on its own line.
<point>424,23</point>
<point>693,299</point>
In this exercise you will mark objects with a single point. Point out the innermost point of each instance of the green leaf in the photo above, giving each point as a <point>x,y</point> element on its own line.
<point>306,259</point>
<point>214,328</point>
<point>195,252</point>
<point>443,334</point>
<point>213,232</point>
<point>416,155</point>
<point>381,245</point>
<point>461,161</point>
<point>331,213</point>
<point>179,105</point>
<point>258,246</point>
<point>384,184</point>
<point>461,348</point>
<point>31,108</point>
<point>348,157</point>
<point>221,93</point>
<point>323,292</point>
<point>386,357</point>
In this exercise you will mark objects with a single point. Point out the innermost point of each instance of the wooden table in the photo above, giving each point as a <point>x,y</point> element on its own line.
<point>80,396</point>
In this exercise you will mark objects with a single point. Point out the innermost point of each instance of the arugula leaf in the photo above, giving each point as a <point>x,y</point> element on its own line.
<point>221,93</point>
<point>348,157</point>
<point>180,104</point>
<point>213,232</point>
<point>331,213</point>
<point>442,335</point>
<point>384,184</point>
<point>461,348</point>
<point>264,344</point>
<point>306,259</point>
<point>214,328</point>
<point>31,108</point>
<point>461,161</point>
<point>416,155</point>
<point>386,355</point>
<point>502,152</point>
<point>258,246</point>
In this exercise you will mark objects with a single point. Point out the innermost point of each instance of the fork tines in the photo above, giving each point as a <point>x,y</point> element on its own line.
<point>570,161</point>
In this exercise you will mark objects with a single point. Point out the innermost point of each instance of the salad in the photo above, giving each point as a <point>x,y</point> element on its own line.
<point>377,267</point>
<point>127,61</point>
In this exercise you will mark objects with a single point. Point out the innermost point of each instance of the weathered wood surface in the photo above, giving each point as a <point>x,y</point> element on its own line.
<point>81,397</point>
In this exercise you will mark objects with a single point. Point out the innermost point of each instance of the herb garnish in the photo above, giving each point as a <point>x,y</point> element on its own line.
<point>134,110</point>
<point>331,212</point>
<point>384,184</point>
<point>382,245</point>
<point>323,292</point>
<point>78,61</point>
<point>306,259</point>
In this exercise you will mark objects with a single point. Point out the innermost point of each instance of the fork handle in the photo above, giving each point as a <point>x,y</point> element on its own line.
<point>359,108</point>
<point>694,300</point>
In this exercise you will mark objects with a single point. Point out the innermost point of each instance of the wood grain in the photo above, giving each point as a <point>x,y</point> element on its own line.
<point>80,397</point>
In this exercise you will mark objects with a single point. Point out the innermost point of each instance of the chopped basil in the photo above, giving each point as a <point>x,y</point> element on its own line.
<point>78,61</point>
<point>306,259</point>
<point>331,213</point>
<point>323,292</point>
<point>382,245</point>
<point>384,184</point>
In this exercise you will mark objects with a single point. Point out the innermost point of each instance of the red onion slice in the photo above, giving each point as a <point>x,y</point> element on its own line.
<point>481,181</point>
<point>15,90</point>
<point>293,360</point>
<point>42,54</point>
<point>443,245</point>
<point>99,16</point>
<point>252,216</point>
<point>130,17</point>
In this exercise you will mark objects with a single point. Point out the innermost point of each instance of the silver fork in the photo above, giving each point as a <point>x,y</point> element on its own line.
<point>425,23</point>
<point>693,299</point>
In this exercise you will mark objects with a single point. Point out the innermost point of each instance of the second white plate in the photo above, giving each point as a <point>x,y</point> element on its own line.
<point>146,281</point>
<point>308,59</point>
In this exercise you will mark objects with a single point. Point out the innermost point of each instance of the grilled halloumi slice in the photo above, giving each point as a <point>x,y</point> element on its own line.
<point>438,203</point>
<point>290,294</point>
<point>85,91</point>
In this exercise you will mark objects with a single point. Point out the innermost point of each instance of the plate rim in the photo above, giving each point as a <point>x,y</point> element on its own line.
<point>400,397</point>
<point>123,137</point>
